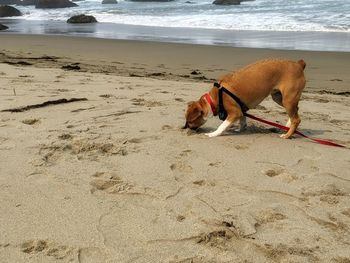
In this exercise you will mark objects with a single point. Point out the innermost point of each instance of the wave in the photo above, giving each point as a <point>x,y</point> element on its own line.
<point>258,15</point>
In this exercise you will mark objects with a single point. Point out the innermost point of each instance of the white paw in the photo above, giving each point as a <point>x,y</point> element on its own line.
<point>284,136</point>
<point>211,134</point>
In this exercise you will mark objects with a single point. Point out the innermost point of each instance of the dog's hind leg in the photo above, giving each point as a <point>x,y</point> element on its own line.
<point>242,124</point>
<point>290,103</point>
<point>292,111</point>
<point>289,123</point>
<point>277,97</point>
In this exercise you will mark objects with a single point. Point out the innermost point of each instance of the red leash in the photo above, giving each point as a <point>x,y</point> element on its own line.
<point>282,127</point>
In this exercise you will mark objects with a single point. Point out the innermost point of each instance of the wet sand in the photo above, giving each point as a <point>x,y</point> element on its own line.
<point>297,40</point>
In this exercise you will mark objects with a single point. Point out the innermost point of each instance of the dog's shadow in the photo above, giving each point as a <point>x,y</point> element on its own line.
<point>254,129</point>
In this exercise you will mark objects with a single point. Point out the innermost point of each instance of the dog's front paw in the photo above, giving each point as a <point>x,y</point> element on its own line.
<point>211,134</point>
<point>284,136</point>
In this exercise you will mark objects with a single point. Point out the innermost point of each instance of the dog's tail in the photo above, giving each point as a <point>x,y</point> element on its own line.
<point>302,63</point>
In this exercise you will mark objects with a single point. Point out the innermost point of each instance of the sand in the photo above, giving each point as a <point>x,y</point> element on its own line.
<point>115,178</point>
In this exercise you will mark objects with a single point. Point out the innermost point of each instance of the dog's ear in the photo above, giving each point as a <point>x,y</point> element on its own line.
<point>190,103</point>
<point>195,112</point>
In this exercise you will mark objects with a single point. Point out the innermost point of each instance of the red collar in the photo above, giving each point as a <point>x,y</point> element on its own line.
<point>210,101</point>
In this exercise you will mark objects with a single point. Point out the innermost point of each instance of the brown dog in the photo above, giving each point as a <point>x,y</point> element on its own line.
<point>282,79</point>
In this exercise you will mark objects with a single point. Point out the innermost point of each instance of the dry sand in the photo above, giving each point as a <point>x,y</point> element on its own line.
<point>115,179</point>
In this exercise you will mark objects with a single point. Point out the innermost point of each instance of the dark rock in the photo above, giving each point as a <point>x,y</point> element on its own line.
<point>74,66</point>
<point>6,11</point>
<point>54,4</point>
<point>227,2</point>
<point>81,19</point>
<point>195,72</point>
<point>3,27</point>
<point>109,2</point>
<point>18,63</point>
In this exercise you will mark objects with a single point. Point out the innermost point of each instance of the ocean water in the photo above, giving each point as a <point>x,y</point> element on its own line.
<point>318,25</point>
<point>258,15</point>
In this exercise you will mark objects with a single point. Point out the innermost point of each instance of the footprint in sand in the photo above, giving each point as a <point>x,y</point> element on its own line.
<point>280,252</point>
<point>330,194</point>
<point>167,127</point>
<point>180,218</point>
<point>143,102</point>
<point>337,122</point>
<point>307,165</point>
<point>82,148</point>
<point>3,139</point>
<point>273,172</point>
<point>46,248</point>
<point>218,238</point>
<point>341,260</point>
<point>241,146</point>
<point>106,96</point>
<point>31,121</point>
<point>109,183</point>
<point>65,136</point>
<point>280,173</point>
<point>346,212</point>
<point>269,216</point>
<point>140,140</point>
<point>180,166</point>
<point>179,99</point>
<point>63,90</point>
<point>199,182</point>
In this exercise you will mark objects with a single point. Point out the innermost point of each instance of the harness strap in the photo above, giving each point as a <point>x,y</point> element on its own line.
<point>222,111</point>
<point>244,107</point>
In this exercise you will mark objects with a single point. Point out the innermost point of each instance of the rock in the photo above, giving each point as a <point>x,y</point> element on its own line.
<point>3,27</point>
<point>54,4</point>
<point>109,2</point>
<point>26,2</point>
<point>81,19</point>
<point>227,2</point>
<point>6,11</point>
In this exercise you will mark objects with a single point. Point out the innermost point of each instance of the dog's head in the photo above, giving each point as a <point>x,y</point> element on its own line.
<point>194,115</point>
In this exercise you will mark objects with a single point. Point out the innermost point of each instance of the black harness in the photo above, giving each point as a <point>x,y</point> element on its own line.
<point>222,112</point>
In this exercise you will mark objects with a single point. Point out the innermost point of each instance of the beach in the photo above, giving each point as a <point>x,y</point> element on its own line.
<point>112,177</point>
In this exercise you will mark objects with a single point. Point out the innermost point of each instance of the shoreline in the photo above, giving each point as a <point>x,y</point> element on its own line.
<point>285,40</point>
